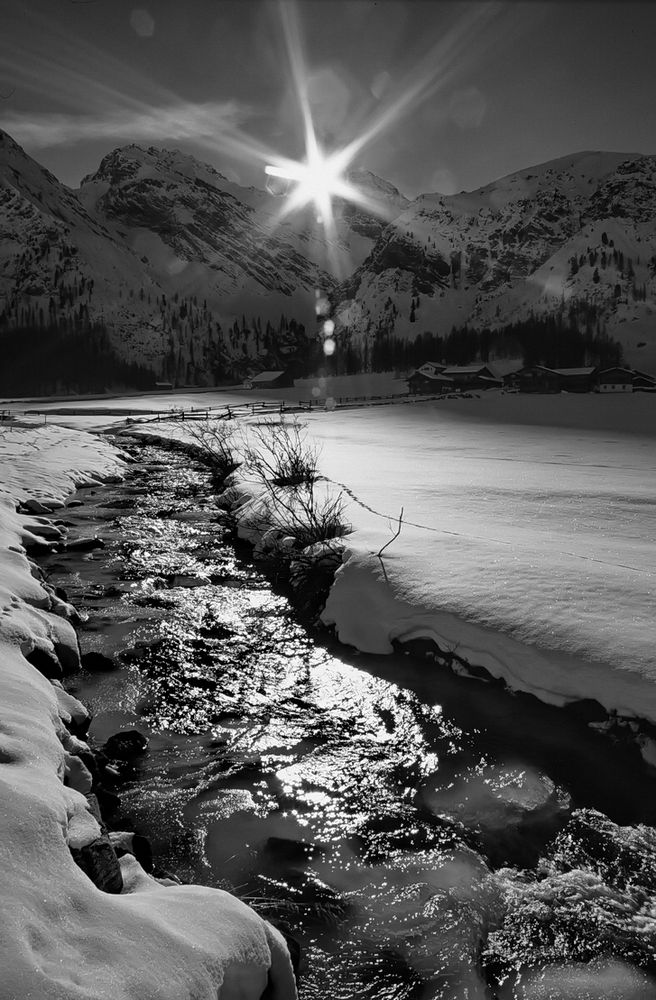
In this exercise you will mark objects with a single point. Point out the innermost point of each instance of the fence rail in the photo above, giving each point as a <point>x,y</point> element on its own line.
<point>227,411</point>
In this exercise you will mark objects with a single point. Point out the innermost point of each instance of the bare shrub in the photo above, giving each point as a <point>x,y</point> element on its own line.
<point>215,444</point>
<point>285,462</point>
<point>280,453</point>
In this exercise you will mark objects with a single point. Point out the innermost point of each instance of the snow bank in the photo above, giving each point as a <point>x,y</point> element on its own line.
<point>60,936</point>
<point>527,545</point>
<point>372,612</point>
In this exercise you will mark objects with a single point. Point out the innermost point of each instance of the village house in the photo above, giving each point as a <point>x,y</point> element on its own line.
<point>615,380</point>
<point>435,377</point>
<point>467,377</point>
<point>539,378</point>
<point>429,379</point>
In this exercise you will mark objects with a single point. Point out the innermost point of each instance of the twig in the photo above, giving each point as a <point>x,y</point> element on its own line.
<point>392,539</point>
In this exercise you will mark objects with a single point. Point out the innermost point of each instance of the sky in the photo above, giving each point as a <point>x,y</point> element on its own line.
<point>437,95</point>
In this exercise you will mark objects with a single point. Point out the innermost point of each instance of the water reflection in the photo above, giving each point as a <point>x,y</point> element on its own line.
<point>398,821</point>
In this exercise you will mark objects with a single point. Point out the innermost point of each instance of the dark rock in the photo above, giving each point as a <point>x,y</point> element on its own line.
<point>34,507</point>
<point>94,809</point>
<point>88,758</point>
<point>97,662</point>
<point>61,594</point>
<point>75,503</point>
<point>135,844</point>
<point>84,544</point>
<point>108,801</point>
<point>98,860</point>
<point>46,663</point>
<point>126,745</point>
<point>68,656</point>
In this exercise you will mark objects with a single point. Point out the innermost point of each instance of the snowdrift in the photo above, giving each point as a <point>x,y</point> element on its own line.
<point>60,936</point>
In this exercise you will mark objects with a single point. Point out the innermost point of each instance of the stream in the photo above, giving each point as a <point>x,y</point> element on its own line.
<point>422,835</point>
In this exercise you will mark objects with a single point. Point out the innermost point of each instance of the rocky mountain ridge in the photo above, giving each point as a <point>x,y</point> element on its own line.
<point>573,236</point>
<point>173,267</point>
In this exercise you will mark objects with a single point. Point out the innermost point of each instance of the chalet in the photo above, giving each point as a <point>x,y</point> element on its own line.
<point>533,378</point>
<point>576,379</point>
<point>429,379</point>
<point>539,378</point>
<point>269,380</point>
<point>472,377</point>
<point>615,380</point>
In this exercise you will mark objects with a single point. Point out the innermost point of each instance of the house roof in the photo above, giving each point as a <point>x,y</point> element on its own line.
<point>432,376</point>
<point>464,369</point>
<point>553,371</point>
<point>266,376</point>
<point>623,371</point>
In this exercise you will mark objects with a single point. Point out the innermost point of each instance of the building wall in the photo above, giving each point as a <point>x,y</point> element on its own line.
<point>615,387</point>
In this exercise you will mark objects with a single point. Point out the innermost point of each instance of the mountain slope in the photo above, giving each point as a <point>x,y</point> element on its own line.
<point>503,253</point>
<point>190,274</point>
<point>165,262</point>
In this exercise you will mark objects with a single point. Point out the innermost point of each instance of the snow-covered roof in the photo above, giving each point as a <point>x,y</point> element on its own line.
<point>623,371</point>
<point>430,365</point>
<point>573,371</point>
<point>266,376</point>
<point>465,369</point>
<point>433,376</point>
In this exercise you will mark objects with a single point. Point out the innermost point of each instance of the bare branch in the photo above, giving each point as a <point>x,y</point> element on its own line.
<point>392,539</point>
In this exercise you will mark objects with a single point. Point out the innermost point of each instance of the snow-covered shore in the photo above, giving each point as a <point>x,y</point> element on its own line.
<point>60,936</point>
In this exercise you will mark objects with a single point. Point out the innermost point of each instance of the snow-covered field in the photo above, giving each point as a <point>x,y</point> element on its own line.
<point>528,542</point>
<point>60,936</point>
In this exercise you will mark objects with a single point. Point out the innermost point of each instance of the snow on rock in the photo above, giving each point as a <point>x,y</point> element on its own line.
<point>62,937</point>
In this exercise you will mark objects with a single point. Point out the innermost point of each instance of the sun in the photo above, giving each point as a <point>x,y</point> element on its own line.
<point>318,180</point>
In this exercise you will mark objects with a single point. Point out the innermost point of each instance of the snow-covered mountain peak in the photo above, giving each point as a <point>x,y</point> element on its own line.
<point>377,188</point>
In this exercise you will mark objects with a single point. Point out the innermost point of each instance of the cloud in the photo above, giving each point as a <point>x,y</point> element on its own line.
<point>180,120</point>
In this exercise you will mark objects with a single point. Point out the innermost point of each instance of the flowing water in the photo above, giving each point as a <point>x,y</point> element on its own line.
<point>423,835</point>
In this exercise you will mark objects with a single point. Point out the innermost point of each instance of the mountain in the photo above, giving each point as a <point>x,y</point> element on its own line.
<point>160,266</point>
<point>186,273</point>
<point>573,238</point>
